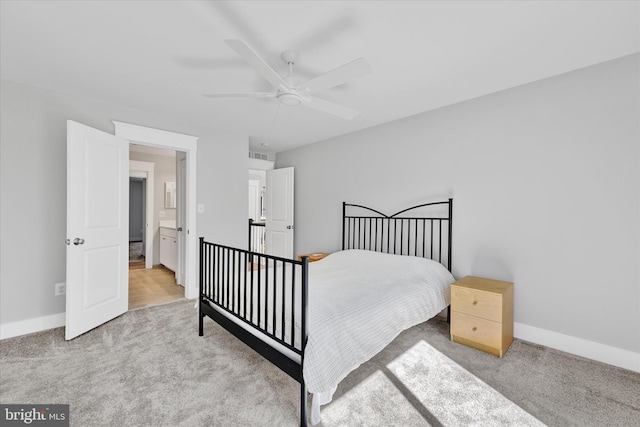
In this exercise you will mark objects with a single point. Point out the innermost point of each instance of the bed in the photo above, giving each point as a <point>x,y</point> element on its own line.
<point>320,321</point>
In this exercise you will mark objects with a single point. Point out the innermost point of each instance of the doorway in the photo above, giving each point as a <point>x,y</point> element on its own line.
<point>270,213</point>
<point>257,212</point>
<point>137,223</point>
<point>144,171</point>
<point>186,148</point>
<point>153,278</point>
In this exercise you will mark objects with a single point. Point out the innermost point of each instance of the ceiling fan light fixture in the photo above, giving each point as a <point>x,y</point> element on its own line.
<point>289,99</point>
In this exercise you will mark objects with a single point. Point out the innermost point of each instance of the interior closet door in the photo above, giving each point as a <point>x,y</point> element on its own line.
<point>97,228</point>
<point>279,223</point>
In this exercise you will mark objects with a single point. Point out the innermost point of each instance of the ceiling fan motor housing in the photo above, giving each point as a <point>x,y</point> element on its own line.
<point>290,99</point>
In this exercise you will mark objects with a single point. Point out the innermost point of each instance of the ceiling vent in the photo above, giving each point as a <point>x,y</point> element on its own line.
<point>260,156</point>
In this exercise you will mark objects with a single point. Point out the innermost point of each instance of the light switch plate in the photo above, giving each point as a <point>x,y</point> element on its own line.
<point>59,289</point>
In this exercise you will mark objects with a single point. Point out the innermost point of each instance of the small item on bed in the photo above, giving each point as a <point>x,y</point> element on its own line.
<point>314,256</point>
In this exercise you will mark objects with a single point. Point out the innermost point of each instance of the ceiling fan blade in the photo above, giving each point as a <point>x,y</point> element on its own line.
<point>256,61</point>
<point>241,95</point>
<point>323,105</point>
<point>338,76</point>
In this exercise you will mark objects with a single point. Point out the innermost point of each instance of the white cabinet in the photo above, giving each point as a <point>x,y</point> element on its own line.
<point>168,248</point>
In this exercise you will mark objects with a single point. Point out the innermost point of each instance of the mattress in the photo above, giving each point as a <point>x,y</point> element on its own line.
<point>359,301</point>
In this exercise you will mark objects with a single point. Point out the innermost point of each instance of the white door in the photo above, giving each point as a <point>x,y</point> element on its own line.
<point>279,224</point>
<point>97,228</point>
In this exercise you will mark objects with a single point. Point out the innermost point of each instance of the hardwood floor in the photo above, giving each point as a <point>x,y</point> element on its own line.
<point>138,265</point>
<point>152,286</point>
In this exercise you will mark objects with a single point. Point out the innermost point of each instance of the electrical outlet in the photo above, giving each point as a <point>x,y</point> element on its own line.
<point>59,289</point>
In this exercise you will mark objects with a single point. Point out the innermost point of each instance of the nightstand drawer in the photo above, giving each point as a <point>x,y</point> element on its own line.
<point>477,303</point>
<point>482,331</point>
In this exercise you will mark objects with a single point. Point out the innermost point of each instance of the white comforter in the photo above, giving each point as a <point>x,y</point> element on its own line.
<point>359,301</point>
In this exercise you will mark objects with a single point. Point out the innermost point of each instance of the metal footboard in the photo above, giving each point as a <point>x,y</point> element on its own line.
<point>262,300</point>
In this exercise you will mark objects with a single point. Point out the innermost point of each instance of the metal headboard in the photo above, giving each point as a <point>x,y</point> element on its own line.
<point>423,230</point>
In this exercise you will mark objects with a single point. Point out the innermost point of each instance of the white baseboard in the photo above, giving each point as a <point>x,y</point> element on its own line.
<point>591,350</point>
<point>29,326</point>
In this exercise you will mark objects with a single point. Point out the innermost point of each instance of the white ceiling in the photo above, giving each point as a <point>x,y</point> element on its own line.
<point>161,56</point>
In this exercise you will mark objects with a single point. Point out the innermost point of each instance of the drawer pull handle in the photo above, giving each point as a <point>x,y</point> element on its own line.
<point>475,302</point>
<point>474,329</point>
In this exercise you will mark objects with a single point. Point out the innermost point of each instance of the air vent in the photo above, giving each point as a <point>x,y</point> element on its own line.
<point>261,156</point>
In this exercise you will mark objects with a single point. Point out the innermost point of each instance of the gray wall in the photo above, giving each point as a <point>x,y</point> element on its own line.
<point>33,188</point>
<point>546,185</point>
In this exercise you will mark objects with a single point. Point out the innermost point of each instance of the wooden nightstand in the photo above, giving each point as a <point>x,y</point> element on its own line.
<point>482,314</point>
<point>314,256</point>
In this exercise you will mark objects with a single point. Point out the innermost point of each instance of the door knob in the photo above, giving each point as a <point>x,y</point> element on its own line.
<point>289,227</point>
<point>179,229</point>
<point>78,241</point>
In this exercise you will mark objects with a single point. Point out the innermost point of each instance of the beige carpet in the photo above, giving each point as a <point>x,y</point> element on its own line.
<point>149,367</point>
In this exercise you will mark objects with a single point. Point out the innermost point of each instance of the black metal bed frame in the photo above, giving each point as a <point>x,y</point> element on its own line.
<point>403,233</point>
<point>227,276</point>
<point>254,227</point>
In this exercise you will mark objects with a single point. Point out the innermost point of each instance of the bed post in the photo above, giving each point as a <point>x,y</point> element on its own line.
<point>303,403</point>
<point>450,230</point>
<point>305,304</point>
<point>344,213</point>
<point>200,313</point>
<point>450,251</point>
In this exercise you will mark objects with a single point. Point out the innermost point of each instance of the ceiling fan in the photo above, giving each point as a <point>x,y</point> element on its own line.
<point>290,93</point>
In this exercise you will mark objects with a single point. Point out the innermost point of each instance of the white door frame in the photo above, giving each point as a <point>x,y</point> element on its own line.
<point>145,170</point>
<point>174,141</point>
<point>254,199</point>
<point>181,170</point>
